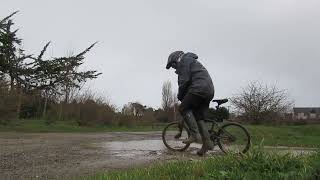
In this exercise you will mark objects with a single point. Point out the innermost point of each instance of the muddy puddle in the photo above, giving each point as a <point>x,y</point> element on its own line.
<point>134,148</point>
<point>157,148</point>
<point>147,148</point>
<point>141,147</point>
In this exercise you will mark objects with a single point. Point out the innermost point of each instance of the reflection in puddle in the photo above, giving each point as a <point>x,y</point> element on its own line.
<point>156,147</point>
<point>135,148</point>
<point>140,147</point>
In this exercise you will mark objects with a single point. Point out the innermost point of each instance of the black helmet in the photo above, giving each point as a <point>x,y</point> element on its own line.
<point>173,58</point>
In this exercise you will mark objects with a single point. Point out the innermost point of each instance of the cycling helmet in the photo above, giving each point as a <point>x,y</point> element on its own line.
<point>174,58</point>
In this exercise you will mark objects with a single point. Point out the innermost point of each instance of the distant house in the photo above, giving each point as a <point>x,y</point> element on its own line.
<point>306,113</point>
<point>134,108</point>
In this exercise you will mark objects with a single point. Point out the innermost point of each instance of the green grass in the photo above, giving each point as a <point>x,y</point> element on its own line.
<point>257,164</point>
<point>299,136</point>
<point>34,126</point>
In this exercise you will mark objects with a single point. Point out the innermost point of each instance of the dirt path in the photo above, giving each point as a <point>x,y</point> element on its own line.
<point>66,155</point>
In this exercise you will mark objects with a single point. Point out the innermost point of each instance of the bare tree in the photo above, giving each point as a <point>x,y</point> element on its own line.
<point>259,102</point>
<point>175,105</point>
<point>167,96</point>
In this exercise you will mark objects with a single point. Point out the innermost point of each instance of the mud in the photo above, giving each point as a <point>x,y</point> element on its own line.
<point>69,155</point>
<point>66,155</point>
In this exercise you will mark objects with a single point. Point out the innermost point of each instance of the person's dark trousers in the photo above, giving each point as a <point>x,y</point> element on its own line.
<point>193,108</point>
<point>197,106</point>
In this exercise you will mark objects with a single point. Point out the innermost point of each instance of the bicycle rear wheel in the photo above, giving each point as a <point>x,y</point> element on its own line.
<point>173,135</point>
<point>233,138</point>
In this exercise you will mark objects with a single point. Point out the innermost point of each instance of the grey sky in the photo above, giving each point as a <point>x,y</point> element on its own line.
<point>276,41</point>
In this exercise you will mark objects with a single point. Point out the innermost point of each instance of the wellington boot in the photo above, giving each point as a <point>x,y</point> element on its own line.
<point>207,143</point>
<point>193,128</point>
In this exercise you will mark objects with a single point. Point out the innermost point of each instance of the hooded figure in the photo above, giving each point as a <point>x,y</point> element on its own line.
<point>196,90</point>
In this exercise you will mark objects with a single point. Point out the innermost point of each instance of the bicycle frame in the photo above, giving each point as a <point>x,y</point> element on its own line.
<point>214,124</point>
<point>214,133</point>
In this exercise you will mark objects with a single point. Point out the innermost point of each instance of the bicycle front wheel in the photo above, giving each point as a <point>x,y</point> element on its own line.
<point>173,135</point>
<point>233,138</point>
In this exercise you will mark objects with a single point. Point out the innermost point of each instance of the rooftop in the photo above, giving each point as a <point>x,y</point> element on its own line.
<point>306,110</point>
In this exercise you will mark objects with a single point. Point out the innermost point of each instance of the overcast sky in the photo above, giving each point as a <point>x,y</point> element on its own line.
<point>275,41</point>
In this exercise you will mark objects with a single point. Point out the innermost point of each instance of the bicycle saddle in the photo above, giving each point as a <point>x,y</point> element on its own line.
<point>220,101</point>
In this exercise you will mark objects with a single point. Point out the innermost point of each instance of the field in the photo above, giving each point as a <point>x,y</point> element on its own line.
<point>298,136</point>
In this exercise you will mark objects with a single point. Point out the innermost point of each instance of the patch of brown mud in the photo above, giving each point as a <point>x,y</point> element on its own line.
<point>64,155</point>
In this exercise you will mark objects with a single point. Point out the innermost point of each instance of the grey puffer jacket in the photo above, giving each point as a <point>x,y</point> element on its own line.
<point>193,78</point>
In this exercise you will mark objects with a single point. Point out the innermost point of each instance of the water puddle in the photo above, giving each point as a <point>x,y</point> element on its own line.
<point>141,145</point>
<point>135,148</point>
<point>154,148</point>
<point>139,148</point>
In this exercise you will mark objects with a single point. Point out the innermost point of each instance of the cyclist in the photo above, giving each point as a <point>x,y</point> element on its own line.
<point>195,92</point>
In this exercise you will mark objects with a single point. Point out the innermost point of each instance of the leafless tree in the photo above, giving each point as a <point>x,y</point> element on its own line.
<point>260,102</point>
<point>167,96</point>
<point>175,106</point>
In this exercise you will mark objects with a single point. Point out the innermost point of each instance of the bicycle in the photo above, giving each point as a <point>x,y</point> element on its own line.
<point>231,137</point>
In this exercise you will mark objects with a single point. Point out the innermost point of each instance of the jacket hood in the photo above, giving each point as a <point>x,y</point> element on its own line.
<point>191,55</point>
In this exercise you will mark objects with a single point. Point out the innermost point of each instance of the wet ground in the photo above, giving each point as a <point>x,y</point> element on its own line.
<point>66,155</point>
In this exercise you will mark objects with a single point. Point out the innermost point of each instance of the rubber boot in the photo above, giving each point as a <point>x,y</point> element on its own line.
<point>207,143</point>
<point>193,128</point>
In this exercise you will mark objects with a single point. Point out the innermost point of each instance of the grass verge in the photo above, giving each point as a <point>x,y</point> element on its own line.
<point>36,126</point>
<point>257,164</point>
<point>297,136</point>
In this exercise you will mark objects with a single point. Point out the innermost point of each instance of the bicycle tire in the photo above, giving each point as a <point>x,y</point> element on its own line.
<point>166,140</point>
<point>222,130</point>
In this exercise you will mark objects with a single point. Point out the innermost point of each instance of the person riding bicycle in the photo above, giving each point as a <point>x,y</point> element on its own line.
<point>196,90</point>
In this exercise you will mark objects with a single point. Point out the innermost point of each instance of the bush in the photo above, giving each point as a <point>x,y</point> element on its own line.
<point>219,114</point>
<point>89,112</point>
<point>259,102</point>
<point>8,108</point>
